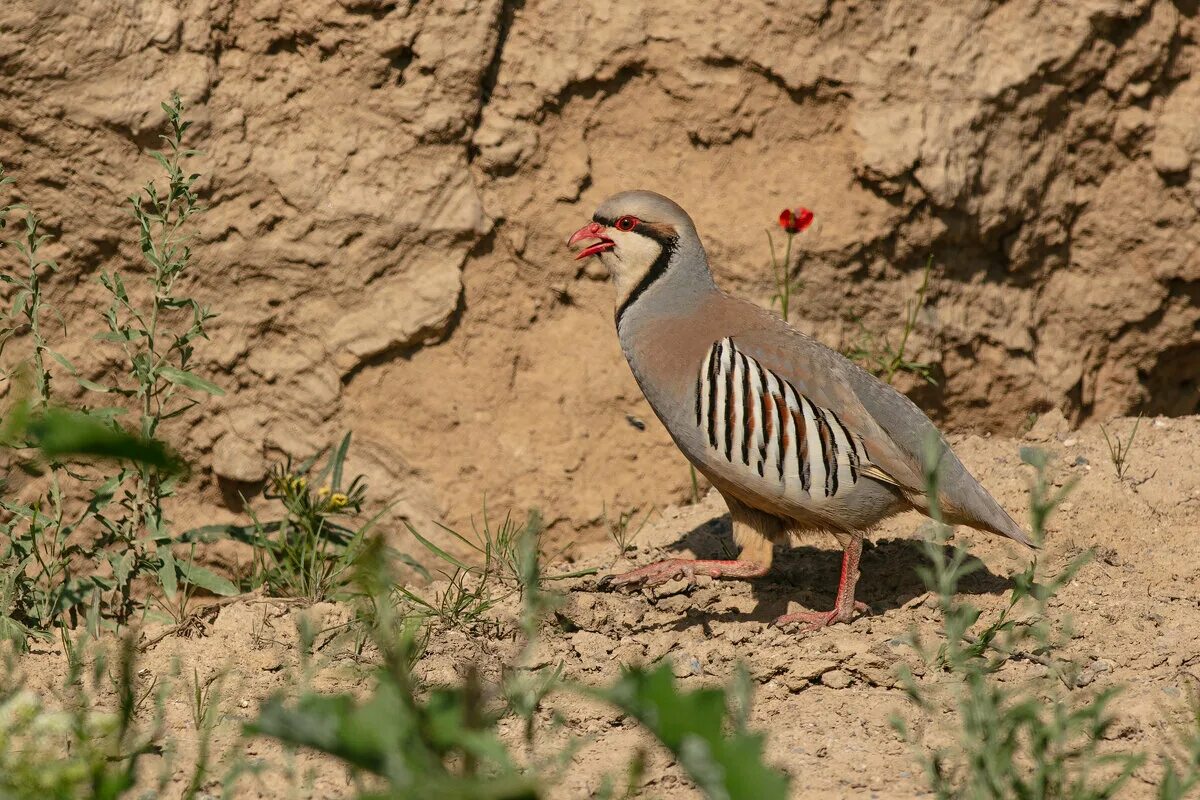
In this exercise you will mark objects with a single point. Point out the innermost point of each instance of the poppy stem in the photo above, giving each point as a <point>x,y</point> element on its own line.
<point>786,287</point>
<point>775,274</point>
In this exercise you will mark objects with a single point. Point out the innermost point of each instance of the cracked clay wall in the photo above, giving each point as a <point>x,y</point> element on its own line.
<point>391,184</point>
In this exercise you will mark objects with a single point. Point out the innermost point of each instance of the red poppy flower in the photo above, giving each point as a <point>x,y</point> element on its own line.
<point>795,221</point>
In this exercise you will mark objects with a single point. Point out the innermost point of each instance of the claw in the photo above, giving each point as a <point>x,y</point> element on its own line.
<point>653,575</point>
<point>816,620</point>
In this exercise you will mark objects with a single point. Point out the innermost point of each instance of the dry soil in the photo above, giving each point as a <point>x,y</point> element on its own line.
<point>824,699</point>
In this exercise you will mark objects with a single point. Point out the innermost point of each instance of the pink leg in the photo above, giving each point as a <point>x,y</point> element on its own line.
<point>845,605</point>
<point>672,568</point>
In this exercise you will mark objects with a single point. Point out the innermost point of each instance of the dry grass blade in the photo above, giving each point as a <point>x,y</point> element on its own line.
<point>1118,450</point>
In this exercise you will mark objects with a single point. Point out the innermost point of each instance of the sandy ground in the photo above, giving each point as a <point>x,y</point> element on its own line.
<point>824,699</point>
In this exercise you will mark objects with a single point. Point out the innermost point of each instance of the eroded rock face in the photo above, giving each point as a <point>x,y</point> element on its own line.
<point>387,176</point>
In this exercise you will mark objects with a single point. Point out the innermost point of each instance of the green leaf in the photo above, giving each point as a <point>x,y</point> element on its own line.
<point>122,566</point>
<point>95,387</point>
<point>206,579</point>
<point>61,359</point>
<point>437,551</point>
<point>190,380</point>
<point>249,534</point>
<point>361,736</point>
<point>15,632</point>
<point>59,432</point>
<point>166,572</point>
<point>393,735</point>
<point>691,725</point>
<point>339,458</point>
<point>76,592</point>
<point>120,335</point>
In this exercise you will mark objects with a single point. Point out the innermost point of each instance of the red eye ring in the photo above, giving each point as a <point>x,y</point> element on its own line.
<point>626,223</point>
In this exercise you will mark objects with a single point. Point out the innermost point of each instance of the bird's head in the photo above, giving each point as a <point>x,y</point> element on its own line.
<point>636,235</point>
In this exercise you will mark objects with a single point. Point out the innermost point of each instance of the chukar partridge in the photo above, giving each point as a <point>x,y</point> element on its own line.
<point>793,435</point>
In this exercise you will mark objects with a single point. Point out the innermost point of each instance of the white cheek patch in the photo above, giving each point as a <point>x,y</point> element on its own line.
<point>630,260</point>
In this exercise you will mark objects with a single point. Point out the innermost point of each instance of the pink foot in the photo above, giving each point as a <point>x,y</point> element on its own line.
<point>675,568</point>
<point>815,620</point>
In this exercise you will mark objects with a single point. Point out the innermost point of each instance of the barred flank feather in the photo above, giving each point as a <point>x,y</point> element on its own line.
<point>757,420</point>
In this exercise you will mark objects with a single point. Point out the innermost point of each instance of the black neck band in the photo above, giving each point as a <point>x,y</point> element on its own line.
<point>656,271</point>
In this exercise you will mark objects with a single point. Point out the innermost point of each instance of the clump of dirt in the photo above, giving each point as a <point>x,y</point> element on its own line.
<point>825,699</point>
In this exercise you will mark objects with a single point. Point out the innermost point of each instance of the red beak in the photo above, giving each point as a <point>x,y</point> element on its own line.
<point>593,230</point>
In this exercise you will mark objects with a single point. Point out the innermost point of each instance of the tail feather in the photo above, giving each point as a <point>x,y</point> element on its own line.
<point>986,514</point>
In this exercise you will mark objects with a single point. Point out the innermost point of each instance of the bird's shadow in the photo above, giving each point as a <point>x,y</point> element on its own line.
<point>809,575</point>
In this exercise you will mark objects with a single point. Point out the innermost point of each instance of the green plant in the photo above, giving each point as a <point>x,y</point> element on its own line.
<point>1118,451</point>
<point>1031,740</point>
<point>204,700</point>
<point>1181,773</point>
<point>792,222</point>
<point>12,630</point>
<point>442,746</point>
<point>28,303</point>
<point>619,529</point>
<point>469,592</point>
<point>443,742</point>
<point>37,583</point>
<point>308,552</point>
<point>509,564</point>
<point>61,572</point>
<point>157,330</point>
<point>76,751</point>
<point>464,601</point>
<point>507,546</point>
<point>440,743</point>
<point>39,556</point>
<point>38,539</point>
<point>878,356</point>
<point>704,729</point>
<point>33,557</point>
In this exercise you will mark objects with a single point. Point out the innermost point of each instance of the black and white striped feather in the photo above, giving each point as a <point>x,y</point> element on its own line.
<point>757,421</point>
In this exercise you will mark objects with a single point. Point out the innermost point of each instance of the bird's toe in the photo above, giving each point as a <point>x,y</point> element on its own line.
<point>816,620</point>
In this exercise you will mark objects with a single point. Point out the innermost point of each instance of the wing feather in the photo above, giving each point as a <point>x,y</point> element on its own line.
<point>894,432</point>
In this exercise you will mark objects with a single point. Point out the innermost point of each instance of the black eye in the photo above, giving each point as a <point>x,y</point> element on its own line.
<point>626,223</point>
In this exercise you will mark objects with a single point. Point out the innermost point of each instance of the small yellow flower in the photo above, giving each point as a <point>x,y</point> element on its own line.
<point>299,484</point>
<point>323,492</point>
<point>338,500</point>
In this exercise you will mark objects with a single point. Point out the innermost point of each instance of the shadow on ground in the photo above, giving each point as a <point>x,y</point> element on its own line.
<point>808,574</point>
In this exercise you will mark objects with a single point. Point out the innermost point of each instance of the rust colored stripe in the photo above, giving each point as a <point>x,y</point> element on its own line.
<point>853,453</point>
<point>828,450</point>
<point>782,412</point>
<point>800,430</point>
<point>768,424</point>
